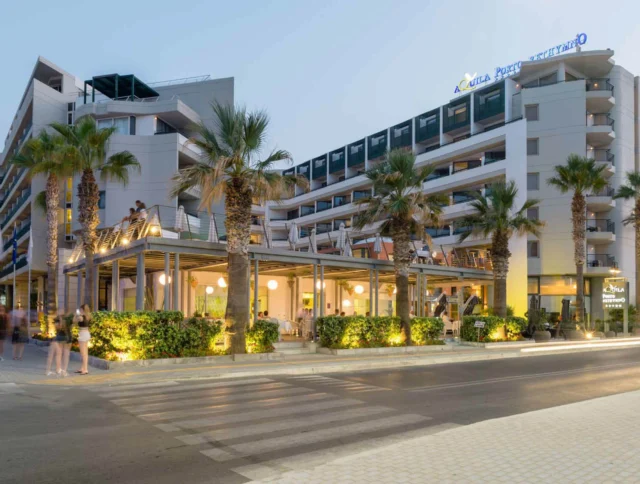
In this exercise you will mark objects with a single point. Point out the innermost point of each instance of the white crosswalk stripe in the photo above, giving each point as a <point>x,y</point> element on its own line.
<point>337,383</point>
<point>262,427</point>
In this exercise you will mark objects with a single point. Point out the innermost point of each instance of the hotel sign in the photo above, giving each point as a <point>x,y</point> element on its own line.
<point>470,82</point>
<point>614,293</point>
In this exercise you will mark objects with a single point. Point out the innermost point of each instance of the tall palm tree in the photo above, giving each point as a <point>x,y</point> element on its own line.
<point>580,175</point>
<point>631,191</point>
<point>89,146</point>
<point>45,155</point>
<point>404,210</point>
<point>495,215</point>
<point>231,170</point>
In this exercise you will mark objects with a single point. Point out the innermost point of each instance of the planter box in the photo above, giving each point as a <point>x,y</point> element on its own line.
<point>394,350</point>
<point>503,344</point>
<point>38,342</point>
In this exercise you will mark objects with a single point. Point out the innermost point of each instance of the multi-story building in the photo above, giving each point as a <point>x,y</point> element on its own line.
<point>519,127</point>
<point>152,121</point>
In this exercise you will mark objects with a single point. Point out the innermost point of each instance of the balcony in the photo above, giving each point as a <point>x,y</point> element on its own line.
<point>428,126</point>
<point>600,129</point>
<point>26,194</point>
<point>435,232</point>
<point>8,269</point>
<point>438,173</point>
<point>359,194</point>
<point>323,228</point>
<point>598,85</point>
<point>340,200</point>
<point>338,222</point>
<point>601,155</point>
<point>599,261</point>
<point>304,170</point>
<point>462,197</point>
<point>401,135</point>
<point>602,200</point>
<point>355,154</point>
<point>459,166</point>
<point>489,106</point>
<point>377,145</point>
<point>21,232</point>
<point>493,156</point>
<point>600,231</point>
<point>319,168</point>
<point>307,210</point>
<point>456,116</point>
<point>337,161</point>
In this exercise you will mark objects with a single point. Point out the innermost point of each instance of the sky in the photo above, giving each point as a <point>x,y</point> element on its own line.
<point>328,72</point>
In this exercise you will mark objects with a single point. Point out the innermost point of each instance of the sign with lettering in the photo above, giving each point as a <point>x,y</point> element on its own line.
<point>614,293</point>
<point>479,324</point>
<point>470,82</point>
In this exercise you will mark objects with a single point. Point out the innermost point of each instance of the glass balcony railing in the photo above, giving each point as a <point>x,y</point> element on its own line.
<point>601,225</point>
<point>462,197</point>
<point>322,206</point>
<point>607,191</point>
<point>601,155</point>
<point>493,156</point>
<point>599,119</point>
<point>355,154</point>
<point>358,194</point>
<point>599,85</point>
<point>14,209</point>
<point>427,128</point>
<point>433,232</point>
<point>600,260</point>
<point>319,168</point>
<point>438,173</point>
<point>336,163</point>
<point>491,107</point>
<point>307,210</point>
<point>341,200</point>
<point>460,230</point>
<point>11,186</point>
<point>459,166</point>
<point>338,222</point>
<point>323,228</point>
<point>401,136</point>
<point>456,121</point>
<point>305,231</point>
<point>304,170</point>
<point>377,146</point>
<point>8,269</point>
<point>21,232</point>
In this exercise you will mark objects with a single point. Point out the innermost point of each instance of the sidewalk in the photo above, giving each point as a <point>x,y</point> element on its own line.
<point>591,441</point>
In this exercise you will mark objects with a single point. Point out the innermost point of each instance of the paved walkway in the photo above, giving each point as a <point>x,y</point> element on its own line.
<point>32,366</point>
<point>591,441</point>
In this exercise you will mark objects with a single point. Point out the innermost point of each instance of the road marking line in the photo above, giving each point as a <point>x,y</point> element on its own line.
<point>306,438</point>
<point>132,387</point>
<point>280,425</point>
<point>257,415</point>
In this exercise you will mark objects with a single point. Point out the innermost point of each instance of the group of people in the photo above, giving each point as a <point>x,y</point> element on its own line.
<point>134,213</point>
<point>60,346</point>
<point>15,324</point>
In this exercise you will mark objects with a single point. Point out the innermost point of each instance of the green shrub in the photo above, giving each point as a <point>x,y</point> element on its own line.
<point>514,326</point>
<point>424,330</point>
<point>344,332</point>
<point>261,336</point>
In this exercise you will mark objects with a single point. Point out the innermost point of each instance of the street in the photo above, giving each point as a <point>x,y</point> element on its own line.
<point>237,430</point>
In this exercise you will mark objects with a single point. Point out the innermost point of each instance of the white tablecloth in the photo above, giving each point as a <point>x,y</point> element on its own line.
<point>285,326</point>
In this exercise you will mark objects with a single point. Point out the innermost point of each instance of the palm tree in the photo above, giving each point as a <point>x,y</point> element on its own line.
<point>89,146</point>
<point>496,216</point>
<point>231,170</point>
<point>580,175</point>
<point>631,191</point>
<point>404,210</point>
<point>44,155</point>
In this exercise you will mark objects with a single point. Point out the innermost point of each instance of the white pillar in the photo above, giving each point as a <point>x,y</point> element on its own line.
<point>167,285</point>
<point>176,282</point>
<point>140,282</point>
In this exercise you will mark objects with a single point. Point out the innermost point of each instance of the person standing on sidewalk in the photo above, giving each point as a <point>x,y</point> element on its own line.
<point>20,335</point>
<point>83,319</point>
<point>4,326</point>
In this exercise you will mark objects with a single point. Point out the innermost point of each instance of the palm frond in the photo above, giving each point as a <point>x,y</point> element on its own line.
<point>40,201</point>
<point>117,167</point>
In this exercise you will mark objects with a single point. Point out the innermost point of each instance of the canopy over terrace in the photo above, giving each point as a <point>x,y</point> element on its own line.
<point>154,256</point>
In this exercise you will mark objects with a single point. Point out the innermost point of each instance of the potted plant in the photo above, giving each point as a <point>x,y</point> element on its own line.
<point>347,287</point>
<point>193,281</point>
<point>541,333</point>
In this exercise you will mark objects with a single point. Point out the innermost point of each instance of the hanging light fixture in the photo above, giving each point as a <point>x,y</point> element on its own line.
<point>209,289</point>
<point>272,285</point>
<point>346,303</point>
<point>222,282</point>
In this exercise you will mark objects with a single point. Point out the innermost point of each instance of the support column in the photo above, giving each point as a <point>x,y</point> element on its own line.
<point>115,285</point>
<point>176,282</point>
<point>140,280</point>
<point>418,290</point>
<point>322,303</point>
<point>189,313</point>
<point>370,292</point>
<point>79,291</point>
<point>167,285</point>
<point>315,301</point>
<point>65,302</point>
<point>96,286</point>
<point>376,292</point>
<point>255,289</point>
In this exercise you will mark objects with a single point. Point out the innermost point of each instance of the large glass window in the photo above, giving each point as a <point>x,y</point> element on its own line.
<point>102,201</point>
<point>561,286</point>
<point>533,285</point>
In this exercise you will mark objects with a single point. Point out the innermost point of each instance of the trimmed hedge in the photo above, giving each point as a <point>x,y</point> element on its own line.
<point>345,332</point>
<point>261,336</point>
<point>514,327</point>
<point>143,335</point>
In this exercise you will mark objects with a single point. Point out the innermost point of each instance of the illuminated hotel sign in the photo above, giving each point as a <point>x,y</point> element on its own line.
<point>614,293</point>
<point>470,82</point>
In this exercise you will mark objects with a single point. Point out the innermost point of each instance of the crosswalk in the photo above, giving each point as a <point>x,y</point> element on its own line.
<point>262,427</point>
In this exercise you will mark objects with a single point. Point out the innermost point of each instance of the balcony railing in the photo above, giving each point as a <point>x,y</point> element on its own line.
<point>22,231</point>
<point>456,121</point>
<point>306,210</point>
<point>323,228</point>
<point>355,154</point>
<point>601,225</point>
<point>338,222</point>
<point>428,130</point>
<point>8,269</point>
<point>601,155</point>
<point>462,197</point>
<point>379,148</point>
<point>401,136</point>
<point>14,209</point>
<point>337,164</point>
<point>358,194</point>
<point>341,200</point>
<point>322,206</point>
<point>493,156</point>
<point>12,185</point>
<point>492,107</point>
<point>599,119</point>
<point>459,166</point>
<point>434,232</point>
<point>438,173</point>
<point>599,85</point>
<point>600,260</point>
<point>319,169</point>
<point>607,191</point>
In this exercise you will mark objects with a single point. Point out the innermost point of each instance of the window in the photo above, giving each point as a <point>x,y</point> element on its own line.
<point>549,79</point>
<point>163,128</point>
<point>102,201</point>
<point>533,147</point>
<point>132,125</point>
<point>531,112</point>
<point>121,125</point>
<point>533,248</point>
<point>533,213</point>
<point>460,114</point>
<point>533,285</point>
<point>105,123</point>
<point>533,181</point>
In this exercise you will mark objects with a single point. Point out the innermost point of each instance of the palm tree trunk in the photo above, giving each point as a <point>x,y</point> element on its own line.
<point>238,215</point>
<point>637,227</point>
<point>579,219</point>
<point>88,195</point>
<point>500,255</point>
<point>52,201</point>
<point>401,263</point>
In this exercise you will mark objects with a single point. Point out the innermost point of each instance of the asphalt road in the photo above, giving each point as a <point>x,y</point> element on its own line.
<point>232,431</point>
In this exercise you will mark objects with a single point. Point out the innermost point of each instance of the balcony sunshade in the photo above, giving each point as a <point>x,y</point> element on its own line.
<point>116,86</point>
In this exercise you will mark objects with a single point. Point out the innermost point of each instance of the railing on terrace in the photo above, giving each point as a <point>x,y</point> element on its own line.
<point>491,107</point>
<point>607,191</point>
<point>21,261</point>
<point>21,232</point>
<point>601,155</point>
<point>600,225</point>
<point>493,156</point>
<point>600,119</point>
<point>600,260</point>
<point>598,85</point>
<point>19,203</point>
<point>12,185</point>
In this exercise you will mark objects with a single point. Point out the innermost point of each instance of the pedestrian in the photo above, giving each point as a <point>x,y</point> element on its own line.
<point>59,348</point>
<point>343,314</point>
<point>20,334</point>
<point>65,344</point>
<point>337,312</point>
<point>54,352</point>
<point>260,315</point>
<point>4,326</point>
<point>140,206</point>
<point>83,318</point>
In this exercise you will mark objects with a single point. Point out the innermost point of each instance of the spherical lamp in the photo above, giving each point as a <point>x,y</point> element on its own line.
<point>222,282</point>
<point>359,289</point>
<point>208,289</point>
<point>272,285</point>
